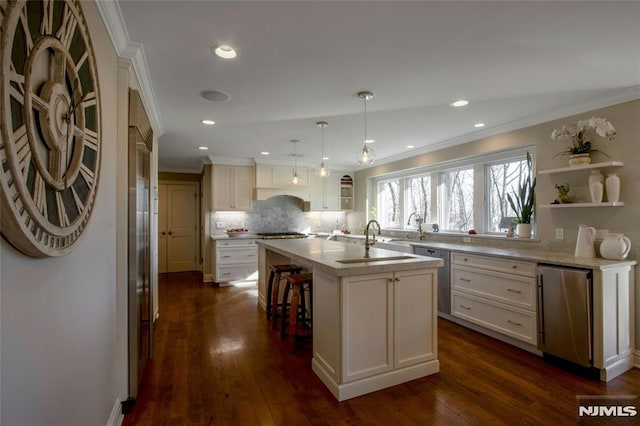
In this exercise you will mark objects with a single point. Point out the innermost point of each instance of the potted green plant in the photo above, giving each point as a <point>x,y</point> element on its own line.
<point>522,201</point>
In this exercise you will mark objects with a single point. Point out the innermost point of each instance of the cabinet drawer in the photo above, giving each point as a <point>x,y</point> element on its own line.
<point>495,264</point>
<point>236,272</point>
<point>512,289</point>
<point>236,243</point>
<point>237,255</point>
<point>514,322</point>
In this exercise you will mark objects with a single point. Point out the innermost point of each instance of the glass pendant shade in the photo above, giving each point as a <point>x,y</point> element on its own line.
<point>324,169</point>
<point>367,155</point>
<point>295,179</point>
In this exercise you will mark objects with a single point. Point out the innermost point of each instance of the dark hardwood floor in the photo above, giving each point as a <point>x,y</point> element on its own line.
<point>217,362</point>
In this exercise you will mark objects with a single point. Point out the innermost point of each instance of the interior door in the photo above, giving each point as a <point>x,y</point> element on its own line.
<point>162,229</point>
<point>139,245</point>
<point>182,226</point>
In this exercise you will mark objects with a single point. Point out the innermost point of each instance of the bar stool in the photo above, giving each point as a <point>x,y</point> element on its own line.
<point>299,325</point>
<point>273,288</point>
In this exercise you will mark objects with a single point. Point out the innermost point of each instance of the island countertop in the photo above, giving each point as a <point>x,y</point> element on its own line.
<point>326,255</point>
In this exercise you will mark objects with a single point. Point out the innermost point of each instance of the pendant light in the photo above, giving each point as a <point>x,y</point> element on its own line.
<point>295,179</point>
<point>366,155</point>
<point>324,169</point>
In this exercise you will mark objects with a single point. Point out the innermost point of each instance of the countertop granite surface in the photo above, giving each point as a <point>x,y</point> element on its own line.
<point>533,255</point>
<point>324,255</point>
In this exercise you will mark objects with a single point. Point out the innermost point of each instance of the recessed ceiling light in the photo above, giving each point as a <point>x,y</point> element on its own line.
<point>203,148</point>
<point>410,146</point>
<point>325,158</point>
<point>460,103</point>
<point>224,51</point>
<point>478,125</point>
<point>208,122</point>
<point>370,141</point>
<point>265,153</point>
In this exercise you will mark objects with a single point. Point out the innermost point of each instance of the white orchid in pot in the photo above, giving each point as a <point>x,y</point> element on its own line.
<point>523,201</point>
<point>580,135</point>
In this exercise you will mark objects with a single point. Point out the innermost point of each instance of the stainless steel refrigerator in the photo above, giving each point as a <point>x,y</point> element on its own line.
<point>565,314</point>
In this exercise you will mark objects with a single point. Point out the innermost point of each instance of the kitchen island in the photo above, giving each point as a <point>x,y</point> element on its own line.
<point>374,319</point>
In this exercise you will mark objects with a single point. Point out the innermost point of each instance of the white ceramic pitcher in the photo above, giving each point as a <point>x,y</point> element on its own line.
<point>615,246</point>
<point>584,244</point>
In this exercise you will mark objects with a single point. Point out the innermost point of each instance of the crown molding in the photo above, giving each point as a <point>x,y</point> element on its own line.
<point>614,97</point>
<point>114,22</point>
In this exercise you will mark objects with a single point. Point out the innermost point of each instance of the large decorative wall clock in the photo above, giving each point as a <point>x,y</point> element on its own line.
<point>51,131</point>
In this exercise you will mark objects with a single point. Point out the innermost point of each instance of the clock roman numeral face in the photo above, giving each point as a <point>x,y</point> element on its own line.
<point>51,125</point>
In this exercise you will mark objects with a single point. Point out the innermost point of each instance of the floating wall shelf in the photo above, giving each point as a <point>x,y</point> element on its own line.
<point>593,166</point>
<point>570,205</point>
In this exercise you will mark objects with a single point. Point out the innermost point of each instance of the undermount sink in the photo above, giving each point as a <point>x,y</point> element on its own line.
<point>374,259</point>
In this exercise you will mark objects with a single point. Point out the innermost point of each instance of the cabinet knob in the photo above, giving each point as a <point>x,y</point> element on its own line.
<point>465,259</point>
<point>170,232</point>
<point>397,279</point>
<point>515,266</point>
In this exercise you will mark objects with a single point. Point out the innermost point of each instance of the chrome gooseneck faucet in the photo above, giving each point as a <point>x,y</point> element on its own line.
<point>367,244</point>
<point>419,221</point>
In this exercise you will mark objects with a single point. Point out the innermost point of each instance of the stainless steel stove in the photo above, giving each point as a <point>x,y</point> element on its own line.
<point>280,235</point>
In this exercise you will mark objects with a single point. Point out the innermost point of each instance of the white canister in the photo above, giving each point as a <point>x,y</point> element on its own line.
<point>584,243</point>
<point>615,246</point>
<point>613,187</point>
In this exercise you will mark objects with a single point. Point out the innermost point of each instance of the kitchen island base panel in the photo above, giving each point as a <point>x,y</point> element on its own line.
<point>374,383</point>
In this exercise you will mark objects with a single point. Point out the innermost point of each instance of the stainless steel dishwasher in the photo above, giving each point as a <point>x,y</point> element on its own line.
<point>565,317</point>
<point>444,279</point>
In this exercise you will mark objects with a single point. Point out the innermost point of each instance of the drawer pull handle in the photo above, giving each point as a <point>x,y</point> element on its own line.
<point>513,290</point>
<point>226,257</point>
<point>227,273</point>
<point>519,324</point>
<point>465,279</point>
<point>465,307</point>
<point>514,266</point>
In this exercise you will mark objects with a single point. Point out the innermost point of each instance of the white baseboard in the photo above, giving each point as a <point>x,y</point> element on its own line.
<point>116,417</point>
<point>636,362</point>
<point>207,278</point>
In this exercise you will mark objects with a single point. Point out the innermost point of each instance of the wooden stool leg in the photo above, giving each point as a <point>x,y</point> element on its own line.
<point>293,313</point>
<point>274,301</point>
<point>285,305</point>
<point>270,294</point>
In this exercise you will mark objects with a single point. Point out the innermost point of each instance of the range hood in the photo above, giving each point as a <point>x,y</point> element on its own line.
<point>266,193</point>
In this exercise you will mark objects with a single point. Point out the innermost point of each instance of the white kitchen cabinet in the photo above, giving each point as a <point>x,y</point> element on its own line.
<point>386,327</point>
<point>325,192</point>
<point>277,176</point>
<point>232,187</point>
<point>234,259</point>
<point>349,240</point>
<point>495,293</point>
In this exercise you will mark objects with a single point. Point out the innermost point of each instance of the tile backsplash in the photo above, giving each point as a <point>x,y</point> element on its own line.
<point>282,213</point>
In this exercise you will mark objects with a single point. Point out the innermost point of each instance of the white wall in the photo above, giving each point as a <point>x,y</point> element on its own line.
<point>626,220</point>
<point>58,315</point>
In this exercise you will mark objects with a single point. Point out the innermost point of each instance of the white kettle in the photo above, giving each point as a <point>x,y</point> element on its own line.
<point>615,246</point>
<point>584,244</point>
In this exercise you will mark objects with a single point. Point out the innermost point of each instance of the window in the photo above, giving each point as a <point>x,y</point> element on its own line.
<point>456,200</point>
<point>418,197</point>
<point>503,179</point>
<point>388,205</point>
<point>459,196</point>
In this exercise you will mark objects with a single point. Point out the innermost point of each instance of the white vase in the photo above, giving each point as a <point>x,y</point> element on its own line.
<point>523,230</point>
<point>596,190</point>
<point>613,188</point>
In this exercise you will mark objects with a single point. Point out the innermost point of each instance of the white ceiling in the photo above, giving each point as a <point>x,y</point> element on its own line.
<point>518,63</point>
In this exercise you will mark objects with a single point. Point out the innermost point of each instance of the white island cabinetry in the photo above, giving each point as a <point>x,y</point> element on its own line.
<point>374,323</point>
<point>234,259</point>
